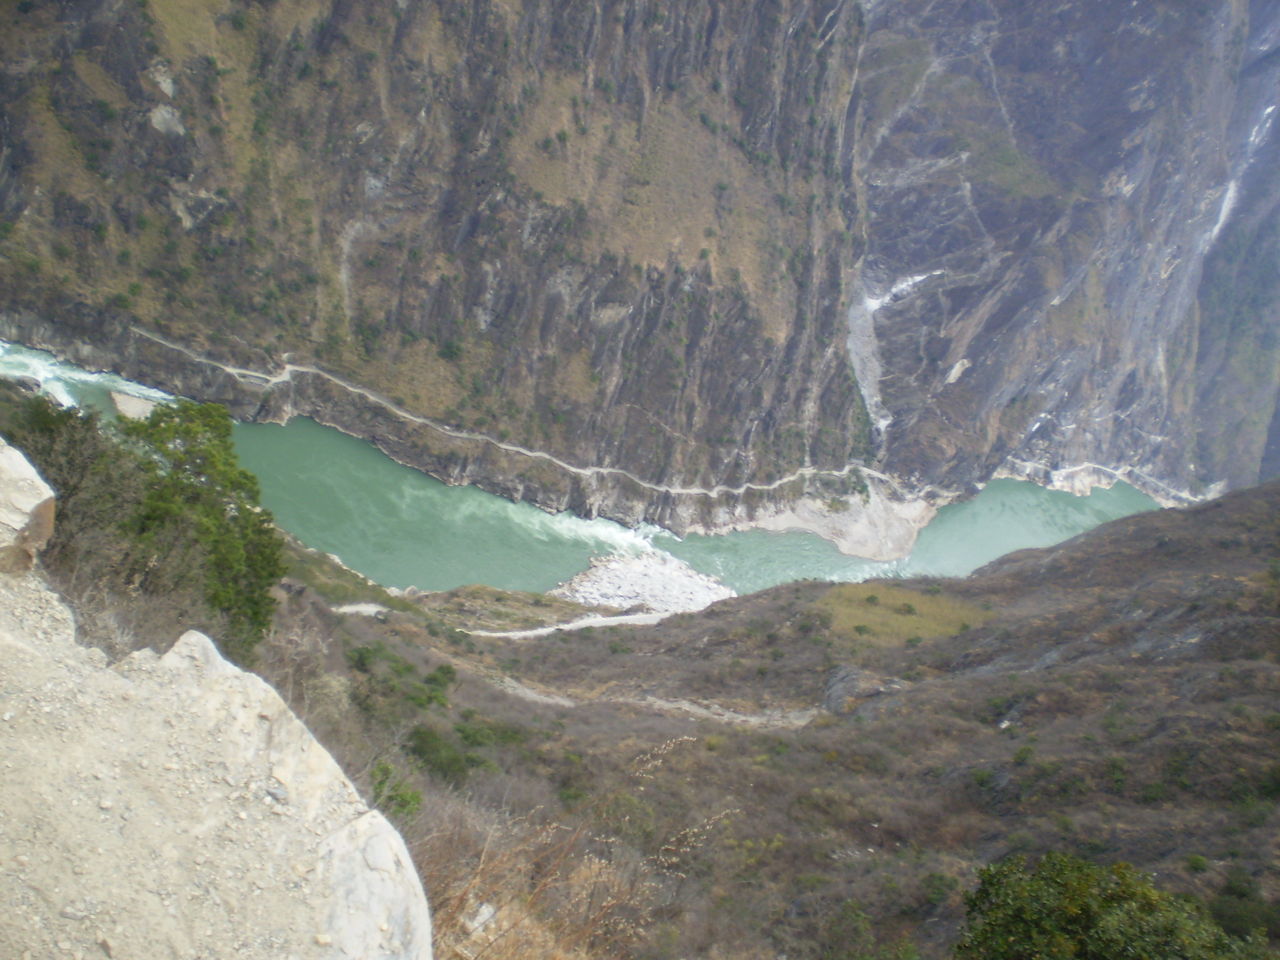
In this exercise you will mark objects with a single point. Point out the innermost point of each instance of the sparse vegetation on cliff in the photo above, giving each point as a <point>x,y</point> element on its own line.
<point>221,177</point>
<point>158,526</point>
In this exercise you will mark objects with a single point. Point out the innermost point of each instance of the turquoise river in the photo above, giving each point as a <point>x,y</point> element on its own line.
<point>402,528</point>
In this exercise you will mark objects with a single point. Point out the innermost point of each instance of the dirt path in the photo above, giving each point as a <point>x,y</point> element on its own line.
<point>287,371</point>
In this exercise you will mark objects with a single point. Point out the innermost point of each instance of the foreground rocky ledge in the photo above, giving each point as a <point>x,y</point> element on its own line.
<point>175,807</point>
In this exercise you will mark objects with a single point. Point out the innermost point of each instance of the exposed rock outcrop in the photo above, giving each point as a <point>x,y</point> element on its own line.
<point>26,511</point>
<point>175,807</point>
<point>646,582</point>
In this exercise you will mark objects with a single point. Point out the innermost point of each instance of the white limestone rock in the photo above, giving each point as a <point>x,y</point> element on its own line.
<point>26,511</point>
<point>175,807</point>
<point>129,405</point>
<point>651,581</point>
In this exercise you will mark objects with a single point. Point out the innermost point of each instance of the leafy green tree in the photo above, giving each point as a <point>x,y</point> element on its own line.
<point>196,481</point>
<point>158,527</point>
<point>1065,908</point>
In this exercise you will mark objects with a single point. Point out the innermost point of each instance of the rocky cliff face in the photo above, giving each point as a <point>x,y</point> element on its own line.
<point>706,257</point>
<point>174,806</point>
<point>26,511</point>
<point>1081,173</point>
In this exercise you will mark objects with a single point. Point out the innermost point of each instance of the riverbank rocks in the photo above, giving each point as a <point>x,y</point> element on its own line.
<point>646,582</point>
<point>173,806</point>
<point>26,511</point>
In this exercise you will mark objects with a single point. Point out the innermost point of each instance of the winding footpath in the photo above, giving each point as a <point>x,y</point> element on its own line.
<point>776,719</point>
<point>246,375</point>
<point>532,633</point>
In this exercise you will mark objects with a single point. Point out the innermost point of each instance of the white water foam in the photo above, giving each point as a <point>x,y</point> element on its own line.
<point>63,382</point>
<point>603,534</point>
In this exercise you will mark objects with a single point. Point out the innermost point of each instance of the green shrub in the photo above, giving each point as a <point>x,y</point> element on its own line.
<point>937,887</point>
<point>848,935</point>
<point>362,658</point>
<point>437,755</point>
<point>441,678</point>
<point>1067,907</point>
<point>157,515</point>
<point>1240,909</point>
<point>392,793</point>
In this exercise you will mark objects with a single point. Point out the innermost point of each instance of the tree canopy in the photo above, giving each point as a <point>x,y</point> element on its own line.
<point>1065,908</point>
<point>195,480</point>
<point>157,522</point>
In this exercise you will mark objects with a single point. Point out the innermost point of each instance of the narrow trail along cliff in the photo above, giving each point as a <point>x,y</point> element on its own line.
<point>285,375</point>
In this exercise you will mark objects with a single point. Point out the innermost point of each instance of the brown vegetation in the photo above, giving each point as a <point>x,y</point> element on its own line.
<point>568,796</point>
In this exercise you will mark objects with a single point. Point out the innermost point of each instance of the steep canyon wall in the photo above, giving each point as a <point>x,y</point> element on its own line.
<point>704,256</point>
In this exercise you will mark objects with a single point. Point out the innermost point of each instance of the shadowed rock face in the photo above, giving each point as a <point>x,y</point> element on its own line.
<point>699,244</point>
<point>1056,178</point>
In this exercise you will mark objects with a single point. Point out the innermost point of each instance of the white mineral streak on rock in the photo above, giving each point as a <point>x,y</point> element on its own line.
<point>176,806</point>
<point>864,355</point>
<point>1224,211</point>
<point>652,580</point>
<point>864,349</point>
<point>1257,136</point>
<point>1261,128</point>
<point>26,511</point>
<point>957,371</point>
<point>160,75</point>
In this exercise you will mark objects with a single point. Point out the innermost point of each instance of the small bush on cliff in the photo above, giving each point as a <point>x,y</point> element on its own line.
<point>195,486</point>
<point>1065,907</point>
<point>157,525</point>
